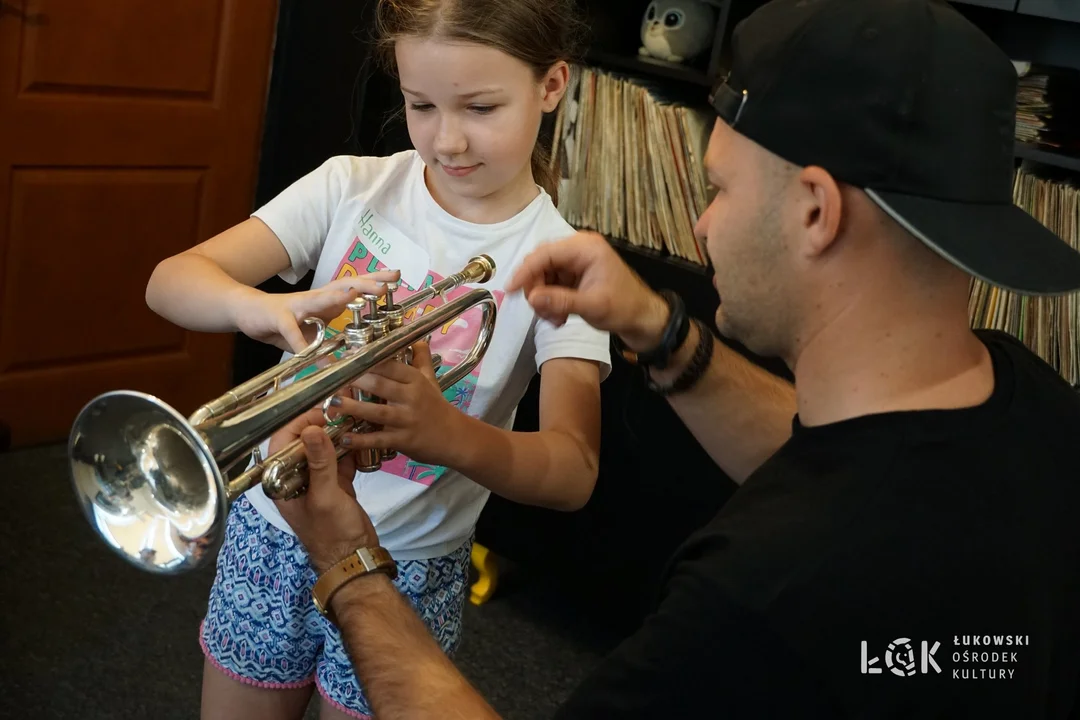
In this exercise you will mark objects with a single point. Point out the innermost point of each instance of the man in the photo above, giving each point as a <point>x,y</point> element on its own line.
<point>906,540</point>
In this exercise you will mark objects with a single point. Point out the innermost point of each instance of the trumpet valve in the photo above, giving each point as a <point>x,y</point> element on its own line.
<point>368,460</point>
<point>358,332</point>
<point>283,483</point>
<point>356,307</point>
<point>391,288</point>
<point>395,314</point>
<point>376,318</point>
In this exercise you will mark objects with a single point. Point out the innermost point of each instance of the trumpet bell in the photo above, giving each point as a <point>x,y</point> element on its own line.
<point>147,482</point>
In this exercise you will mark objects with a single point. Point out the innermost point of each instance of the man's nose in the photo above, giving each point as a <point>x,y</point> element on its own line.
<point>449,138</point>
<point>701,227</point>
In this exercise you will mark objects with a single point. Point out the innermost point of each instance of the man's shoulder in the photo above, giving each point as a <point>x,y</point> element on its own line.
<point>1043,407</point>
<point>1028,364</point>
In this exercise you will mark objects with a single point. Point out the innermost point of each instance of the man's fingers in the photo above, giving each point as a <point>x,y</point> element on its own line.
<point>550,301</point>
<point>564,259</point>
<point>321,457</point>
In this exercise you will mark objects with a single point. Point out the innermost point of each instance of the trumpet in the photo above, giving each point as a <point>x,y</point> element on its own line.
<point>156,486</point>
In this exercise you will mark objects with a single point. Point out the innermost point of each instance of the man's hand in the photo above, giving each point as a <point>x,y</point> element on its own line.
<point>583,275</point>
<point>327,519</point>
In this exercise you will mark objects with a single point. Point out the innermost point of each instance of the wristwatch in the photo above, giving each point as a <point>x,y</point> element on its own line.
<point>672,338</point>
<point>359,563</point>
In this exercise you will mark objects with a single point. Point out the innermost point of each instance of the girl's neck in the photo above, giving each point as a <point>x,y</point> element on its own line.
<point>503,204</point>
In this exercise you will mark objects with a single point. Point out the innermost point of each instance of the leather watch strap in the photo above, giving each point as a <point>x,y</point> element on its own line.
<point>359,563</point>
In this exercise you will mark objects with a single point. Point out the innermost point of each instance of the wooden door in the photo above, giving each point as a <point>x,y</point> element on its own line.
<point>129,130</point>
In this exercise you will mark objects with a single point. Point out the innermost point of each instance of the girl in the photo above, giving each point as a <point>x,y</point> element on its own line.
<point>477,77</point>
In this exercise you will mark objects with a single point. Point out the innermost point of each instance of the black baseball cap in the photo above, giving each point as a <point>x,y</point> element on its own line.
<point>909,101</point>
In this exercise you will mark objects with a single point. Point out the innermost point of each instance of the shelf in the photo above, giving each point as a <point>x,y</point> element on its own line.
<point>1047,156</point>
<point>662,257</point>
<point>649,66</point>
<point>1009,5</point>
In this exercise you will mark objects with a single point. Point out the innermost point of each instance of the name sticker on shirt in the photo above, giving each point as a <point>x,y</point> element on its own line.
<point>392,248</point>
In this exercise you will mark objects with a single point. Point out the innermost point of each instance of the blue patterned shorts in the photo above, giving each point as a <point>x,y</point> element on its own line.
<point>262,629</point>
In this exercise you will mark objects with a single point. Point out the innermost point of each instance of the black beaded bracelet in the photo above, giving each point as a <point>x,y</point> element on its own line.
<point>694,370</point>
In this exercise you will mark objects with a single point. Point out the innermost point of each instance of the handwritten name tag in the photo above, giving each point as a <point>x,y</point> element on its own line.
<point>392,248</point>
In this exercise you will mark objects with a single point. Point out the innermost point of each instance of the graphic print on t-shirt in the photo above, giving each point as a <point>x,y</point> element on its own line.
<point>452,341</point>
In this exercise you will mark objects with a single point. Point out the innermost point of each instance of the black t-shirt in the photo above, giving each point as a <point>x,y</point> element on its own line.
<point>946,540</point>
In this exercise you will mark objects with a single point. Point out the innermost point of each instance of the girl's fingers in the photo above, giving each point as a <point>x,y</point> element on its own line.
<point>375,413</point>
<point>368,441</point>
<point>290,331</point>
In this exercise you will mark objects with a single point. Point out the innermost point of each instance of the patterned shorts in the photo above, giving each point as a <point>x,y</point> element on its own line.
<point>262,629</point>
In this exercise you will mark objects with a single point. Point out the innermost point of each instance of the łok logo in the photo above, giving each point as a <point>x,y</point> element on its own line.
<point>900,658</point>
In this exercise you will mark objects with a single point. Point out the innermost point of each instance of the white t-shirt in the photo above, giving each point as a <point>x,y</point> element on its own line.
<point>353,215</point>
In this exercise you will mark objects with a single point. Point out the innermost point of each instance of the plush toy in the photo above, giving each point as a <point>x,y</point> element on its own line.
<point>676,30</point>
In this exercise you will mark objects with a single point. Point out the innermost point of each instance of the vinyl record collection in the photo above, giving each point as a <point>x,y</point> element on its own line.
<point>632,163</point>
<point>1049,326</point>
<point>1048,106</point>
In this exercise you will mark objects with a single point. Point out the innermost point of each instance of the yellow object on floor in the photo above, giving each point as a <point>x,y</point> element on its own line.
<point>485,563</point>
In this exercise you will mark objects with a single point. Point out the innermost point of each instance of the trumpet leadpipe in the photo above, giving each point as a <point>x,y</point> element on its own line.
<point>269,379</point>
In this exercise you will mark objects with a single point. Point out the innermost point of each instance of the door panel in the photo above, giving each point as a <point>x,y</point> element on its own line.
<point>128,46</point>
<point>129,130</point>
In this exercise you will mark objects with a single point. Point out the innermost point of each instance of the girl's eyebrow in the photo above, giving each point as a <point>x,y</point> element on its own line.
<point>467,95</point>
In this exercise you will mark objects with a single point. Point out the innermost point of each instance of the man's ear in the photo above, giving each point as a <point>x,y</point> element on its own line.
<point>554,85</point>
<point>821,208</point>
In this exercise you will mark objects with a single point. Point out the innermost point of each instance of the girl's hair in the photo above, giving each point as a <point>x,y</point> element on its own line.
<point>538,32</point>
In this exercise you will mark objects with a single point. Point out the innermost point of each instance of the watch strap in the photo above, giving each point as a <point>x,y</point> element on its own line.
<point>358,563</point>
<point>674,335</point>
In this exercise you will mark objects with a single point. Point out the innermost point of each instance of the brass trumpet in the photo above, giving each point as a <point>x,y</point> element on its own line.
<point>154,485</point>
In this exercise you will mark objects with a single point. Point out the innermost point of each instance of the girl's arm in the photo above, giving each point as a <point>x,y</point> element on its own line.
<point>210,288</point>
<point>201,288</point>
<point>555,467</point>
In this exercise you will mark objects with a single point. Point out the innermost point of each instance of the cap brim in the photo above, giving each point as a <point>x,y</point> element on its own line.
<point>999,243</point>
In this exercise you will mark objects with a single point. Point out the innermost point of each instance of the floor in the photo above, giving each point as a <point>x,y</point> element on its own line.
<point>86,636</point>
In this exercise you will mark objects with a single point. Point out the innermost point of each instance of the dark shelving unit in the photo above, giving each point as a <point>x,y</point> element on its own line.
<point>659,256</point>
<point>1047,156</point>
<point>648,66</point>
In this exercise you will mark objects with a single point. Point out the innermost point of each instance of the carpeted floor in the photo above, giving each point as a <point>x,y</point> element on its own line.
<point>84,635</point>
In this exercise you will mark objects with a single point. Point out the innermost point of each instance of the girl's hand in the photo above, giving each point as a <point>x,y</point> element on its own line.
<point>416,419</point>
<point>275,318</point>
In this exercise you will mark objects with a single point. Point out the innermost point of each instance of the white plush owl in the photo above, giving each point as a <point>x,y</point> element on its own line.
<point>676,30</point>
